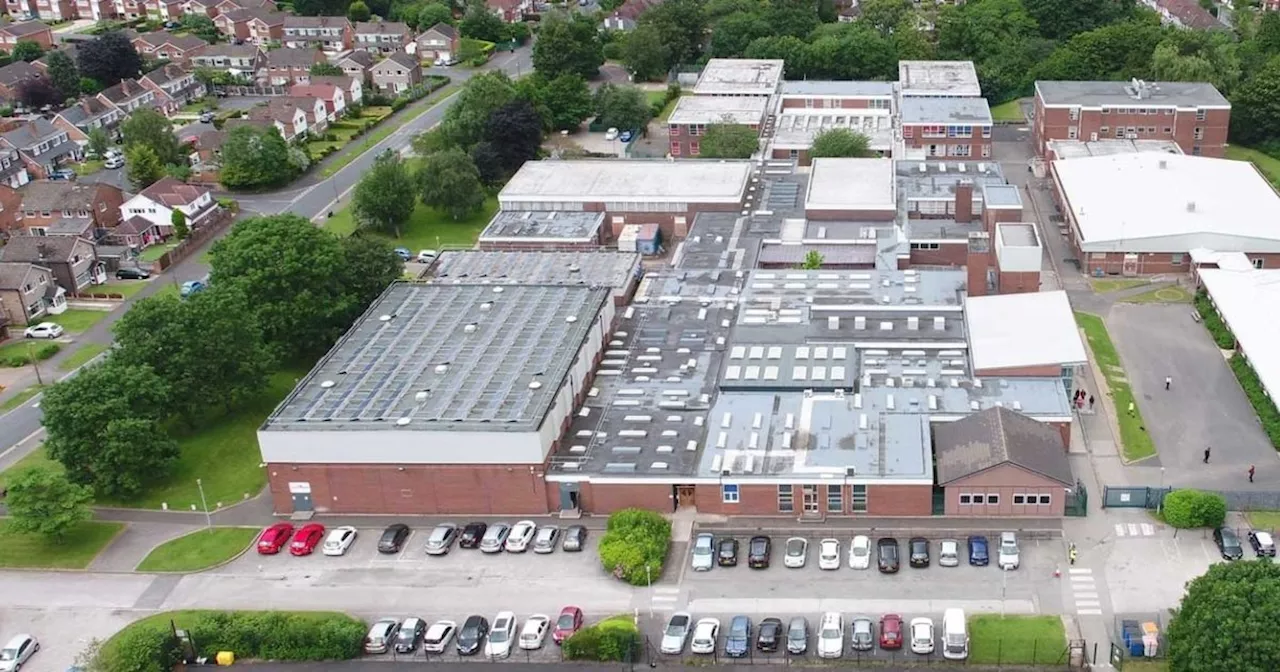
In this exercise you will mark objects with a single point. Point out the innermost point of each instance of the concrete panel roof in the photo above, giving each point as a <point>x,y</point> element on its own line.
<point>837,89</point>
<point>598,268</point>
<point>1020,330</point>
<point>719,110</point>
<point>1075,149</point>
<point>739,76</point>
<point>851,184</point>
<point>1248,302</point>
<point>633,181</point>
<point>938,78</point>
<point>543,225</point>
<point>973,111</point>
<point>1124,94</point>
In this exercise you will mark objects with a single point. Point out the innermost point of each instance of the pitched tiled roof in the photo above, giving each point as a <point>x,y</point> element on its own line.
<point>165,73</point>
<point>16,73</point>
<point>319,90</point>
<point>127,89</point>
<point>30,133</point>
<point>170,192</point>
<point>294,58</point>
<point>403,60</point>
<point>13,274</point>
<point>85,109</point>
<point>39,248</point>
<point>999,436</point>
<point>316,22</point>
<point>160,38</point>
<point>443,29</point>
<point>228,50</point>
<point>381,28</point>
<point>360,56</point>
<point>23,29</point>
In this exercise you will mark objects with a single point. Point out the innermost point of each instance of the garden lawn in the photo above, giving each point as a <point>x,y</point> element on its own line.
<point>1269,165</point>
<point>1010,111</point>
<point>81,545</point>
<point>76,321</point>
<point>125,288</point>
<point>155,252</point>
<point>1107,286</point>
<point>36,458</point>
<point>1016,640</point>
<point>1135,443</point>
<point>199,550</point>
<point>82,356</point>
<point>20,399</point>
<point>88,167</point>
<point>415,110</point>
<point>1264,520</point>
<point>1169,294</point>
<point>428,228</point>
<point>19,347</point>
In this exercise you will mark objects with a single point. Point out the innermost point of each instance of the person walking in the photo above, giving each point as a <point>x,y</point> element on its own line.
<point>1072,554</point>
<point>1091,402</point>
<point>1168,380</point>
<point>1251,473</point>
<point>1206,454</point>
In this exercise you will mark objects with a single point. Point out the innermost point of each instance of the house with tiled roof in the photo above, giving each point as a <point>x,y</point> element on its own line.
<point>237,60</point>
<point>628,13</point>
<point>382,36</point>
<point>72,259</point>
<point>13,174</point>
<point>13,76</point>
<point>173,86</point>
<point>356,64</point>
<point>33,31</point>
<point>70,208</point>
<point>439,42</point>
<point>352,88</point>
<point>511,11</point>
<point>95,10</point>
<point>42,146</point>
<point>29,292</point>
<point>397,73</point>
<point>333,97</point>
<point>148,216</point>
<point>330,33</point>
<point>128,95</point>
<point>87,114</point>
<point>285,67</point>
<point>289,118</point>
<point>255,25</point>
<point>176,48</point>
<point>1184,14</point>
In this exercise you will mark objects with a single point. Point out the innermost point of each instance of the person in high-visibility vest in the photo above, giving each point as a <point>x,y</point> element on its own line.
<point>1072,554</point>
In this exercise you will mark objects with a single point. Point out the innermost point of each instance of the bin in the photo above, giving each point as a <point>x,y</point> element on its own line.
<point>225,658</point>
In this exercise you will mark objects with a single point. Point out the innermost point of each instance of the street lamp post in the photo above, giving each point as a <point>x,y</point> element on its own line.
<point>208,519</point>
<point>35,364</point>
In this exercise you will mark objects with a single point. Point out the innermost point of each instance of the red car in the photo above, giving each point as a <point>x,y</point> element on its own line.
<point>891,631</point>
<point>274,538</point>
<point>569,622</point>
<point>308,537</point>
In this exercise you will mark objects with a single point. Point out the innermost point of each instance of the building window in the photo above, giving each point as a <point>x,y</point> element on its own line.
<point>1257,262</point>
<point>1168,131</point>
<point>675,148</point>
<point>675,130</point>
<point>1119,132</point>
<point>986,152</point>
<point>694,148</point>
<point>986,131</point>
<point>1106,110</point>
<point>907,131</point>
<point>992,499</point>
<point>1073,132</point>
<point>1019,499</point>
<point>978,499</point>
<point>1045,499</point>
<point>729,493</point>
<point>1200,114</point>
<point>1195,151</point>
<point>924,246</point>
<point>1104,130</point>
<point>858,498</point>
<point>1176,258</point>
<point>786,501</point>
<point>1199,133</point>
<point>835,497</point>
<point>1074,114</point>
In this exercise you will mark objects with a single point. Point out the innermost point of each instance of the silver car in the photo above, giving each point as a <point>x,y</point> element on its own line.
<point>704,553</point>
<point>17,652</point>
<point>949,553</point>
<point>545,540</point>
<point>677,633</point>
<point>864,638</point>
<point>441,540</point>
<point>494,538</point>
<point>380,636</point>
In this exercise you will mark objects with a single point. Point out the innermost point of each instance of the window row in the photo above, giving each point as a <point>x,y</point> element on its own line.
<point>810,497</point>
<point>1168,112</point>
<point>993,499</point>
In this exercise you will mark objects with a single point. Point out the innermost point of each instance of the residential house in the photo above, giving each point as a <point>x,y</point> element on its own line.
<point>439,42</point>
<point>330,33</point>
<point>13,174</point>
<point>173,86</point>
<point>95,10</point>
<point>68,48</point>
<point>56,10</point>
<point>175,48</point>
<point>131,9</point>
<point>397,73</point>
<point>149,215</point>
<point>258,26</point>
<point>72,259</point>
<point>13,76</point>
<point>42,146</point>
<point>66,208</point>
<point>382,36</point>
<point>352,88</point>
<point>206,152</point>
<point>289,119</point>
<point>511,11</point>
<point>315,108</point>
<point>626,15</point>
<point>285,67</point>
<point>128,95</point>
<point>29,292</point>
<point>356,64</point>
<point>20,9</point>
<point>333,97</point>
<point>165,10</point>
<point>87,114</point>
<point>207,8</point>
<point>224,6</point>
<point>10,204</point>
<point>32,31</point>
<point>237,60</point>
<point>1183,14</point>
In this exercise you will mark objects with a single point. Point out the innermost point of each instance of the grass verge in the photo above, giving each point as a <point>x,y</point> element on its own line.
<point>76,321</point>
<point>1008,111</point>
<point>1263,406</point>
<point>199,550</point>
<point>428,228</point>
<point>20,398</point>
<point>125,288</point>
<point>81,545</point>
<point>36,458</point>
<point>25,348</point>
<point>1264,520</point>
<point>155,252</point>
<point>1135,442</point>
<point>386,129</point>
<point>1268,165</point>
<point>1016,640</point>
<point>1170,294</point>
<point>88,167</point>
<point>82,356</point>
<point>1105,286</point>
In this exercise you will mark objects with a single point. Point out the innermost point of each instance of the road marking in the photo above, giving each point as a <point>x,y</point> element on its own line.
<point>665,598</point>
<point>1119,530</point>
<point>1133,529</point>
<point>1080,570</point>
<point>1148,529</point>
<point>1089,612</point>
<point>1088,603</point>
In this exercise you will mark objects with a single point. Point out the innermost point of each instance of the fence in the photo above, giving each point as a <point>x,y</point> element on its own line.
<point>238,90</point>
<point>1077,501</point>
<point>1133,497</point>
<point>218,222</point>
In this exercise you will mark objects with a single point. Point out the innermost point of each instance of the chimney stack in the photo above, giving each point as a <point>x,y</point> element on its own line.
<point>42,249</point>
<point>977,262</point>
<point>964,202</point>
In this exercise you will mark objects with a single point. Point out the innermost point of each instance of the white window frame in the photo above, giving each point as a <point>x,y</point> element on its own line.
<point>730,493</point>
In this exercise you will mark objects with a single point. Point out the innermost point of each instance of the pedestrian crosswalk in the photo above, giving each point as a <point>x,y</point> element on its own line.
<point>664,598</point>
<point>1135,529</point>
<point>1084,592</point>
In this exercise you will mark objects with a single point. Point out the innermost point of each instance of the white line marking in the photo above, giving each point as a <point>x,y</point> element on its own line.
<point>1079,570</point>
<point>1088,603</point>
<point>1133,529</point>
<point>1086,596</point>
<point>1148,529</point>
<point>1089,612</point>
<point>1081,579</point>
<point>1119,530</point>
<point>665,598</point>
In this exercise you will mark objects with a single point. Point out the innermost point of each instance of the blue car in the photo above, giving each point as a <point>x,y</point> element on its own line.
<point>738,643</point>
<point>626,136</point>
<point>190,287</point>
<point>978,556</point>
<point>404,253</point>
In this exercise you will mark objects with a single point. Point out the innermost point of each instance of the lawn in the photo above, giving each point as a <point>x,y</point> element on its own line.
<point>1010,111</point>
<point>225,455</point>
<point>1016,640</point>
<point>199,550</point>
<point>125,288</point>
<point>385,130</point>
<point>88,167</point>
<point>82,356</point>
<point>1104,286</point>
<point>20,399</point>
<point>428,228</point>
<point>21,347</point>
<point>155,252</point>
<point>1135,443</point>
<point>1170,294</point>
<point>1146,666</point>
<point>666,111</point>
<point>1264,520</point>
<point>81,545</point>
<point>76,321</point>
<point>1269,165</point>
<point>36,458</point>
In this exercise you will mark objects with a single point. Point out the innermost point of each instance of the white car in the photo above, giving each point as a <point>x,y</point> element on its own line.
<point>498,644</point>
<point>676,634</point>
<point>831,635</point>
<point>113,162</point>
<point>611,134</point>
<point>949,553</point>
<point>921,635</point>
<point>1008,553</point>
<point>339,540</point>
<point>43,330</point>
<point>829,554</point>
<point>705,635</point>
<point>438,636</point>
<point>520,537</point>
<point>704,552</point>
<point>426,256</point>
<point>534,631</point>
<point>860,552</point>
<point>18,651</point>
<point>797,551</point>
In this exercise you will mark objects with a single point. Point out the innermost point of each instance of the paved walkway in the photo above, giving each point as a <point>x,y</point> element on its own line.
<point>134,543</point>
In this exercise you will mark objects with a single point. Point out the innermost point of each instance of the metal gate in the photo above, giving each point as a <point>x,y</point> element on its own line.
<point>1077,502</point>
<point>1140,497</point>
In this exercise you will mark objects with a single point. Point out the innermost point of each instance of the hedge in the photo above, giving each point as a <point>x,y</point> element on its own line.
<point>148,645</point>
<point>1213,322</point>
<point>1190,508</point>
<point>634,546</point>
<point>42,353</point>
<point>1263,404</point>
<point>613,639</point>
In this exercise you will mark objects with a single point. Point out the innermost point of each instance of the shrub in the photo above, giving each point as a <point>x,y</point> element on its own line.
<point>635,546</point>
<point>47,350</point>
<point>1190,508</point>
<point>1263,404</point>
<point>398,104</point>
<point>613,639</point>
<point>1213,322</point>
<point>41,353</point>
<point>145,648</point>
<point>1210,509</point>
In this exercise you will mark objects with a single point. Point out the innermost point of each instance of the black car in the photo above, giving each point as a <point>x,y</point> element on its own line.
<point>393,538</point>
<point>410,635</point>
<point>575,538</point>
<point>798,636</point>
<point>471,535</point>
<point>919,552</point>
<point>769,635</point>
<point>758,551</point>
<point>1228,543</point>
<point>887,552</point>
<point>727,553</point>
<point>132,273</point>
<point>471,636</point>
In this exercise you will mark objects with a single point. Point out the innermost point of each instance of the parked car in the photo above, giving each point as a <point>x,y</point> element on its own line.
<point>831,635</point>
<point>410,635</point>
<point>17,652</point>
<point>769,634</point>
<point>568,622</point>
<point>132,273</point>
<point>501,636</point>
<point>403,253</point>
<point>206,117</point>
<point>860,552</point>
<point>611,134</point>
<point>113,162</point>
<point>1008,551</point>
<point>676,633</point>
<point>438,636</point>
<point>891,631</point>
<point>471,635</point>
<point>949,553</point>
<point>1228,543</point>
<point>796,552</point>
<point>534,631</point>
<point>887,555</point>
<point>393,538</point>
<point>703,552</point>
<point>381,634</point>
<point>862,634</point>
<point>472,534</point>
<point>738,642</point>
<point>307,538</point>
<point>919,547</point>
<point>274,538</point>
<point>758,551</point>
<point>545,540</point>
<point>426,256</point>
<point>63,174</point>
<point>705,635</point>
<point>829,554</point>
<point>1263,544</point>
<point>494,538</point>
<point>44,330</point>
<point>441,540</point>
<point>921,635</point>
<point>190,287</point>
<point>798,635</point>
<point>575,538</point>
<point>626,136</point>
<point>727,555</point>
<point>978,554</point>
<point>339,540</point>
<point>520,536</point>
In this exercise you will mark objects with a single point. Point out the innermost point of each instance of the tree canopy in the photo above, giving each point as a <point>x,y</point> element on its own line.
<point>622,107</point>
<point>26,50</point>
<point>450,181</point>
<point>42,501</point>
<point>109,58</point>
<point>840,143</point>
<point>63,75</point>
<point>568,46</point>
<point>152,129</point>
<point>1227,620</point>
<point>255,158</point>
<point>728,141</point>
<point>385,196</point>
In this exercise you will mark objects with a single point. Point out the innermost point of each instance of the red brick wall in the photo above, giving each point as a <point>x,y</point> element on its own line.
<point>1017,283</point>
<point>762,500</point>
<point>417,490</point>
<point>1053,124</point>
<point>603,499</point>
<point>1006,481</point>
<point>819,103</point>
<point>947,254</point>
<point>976,142</point>
<point>852,215</point>
<point>900,500</point>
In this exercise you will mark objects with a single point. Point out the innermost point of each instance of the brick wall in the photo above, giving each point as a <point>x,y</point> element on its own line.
<point>413,489</point>
<point>1005,481</point>
<point>1017,283</point>
<point>1178,126</point>
<point>948,254</point>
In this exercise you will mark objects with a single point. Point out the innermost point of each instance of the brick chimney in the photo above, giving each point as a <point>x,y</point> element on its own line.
<point>977,262</point>
<point>964,202</point>
<point>42,249</point>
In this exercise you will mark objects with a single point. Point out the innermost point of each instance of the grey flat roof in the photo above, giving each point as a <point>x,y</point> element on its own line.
<point>597,268</point>
<point>1074,149</point>
<point>1001,195</point>
<point>938,179</point>
<point>837,88</point>
<point>739,76</point>
<point>944,111</point>
<point>719,109</point>
<point>557,182</point>
<point>1018,234</point>
<point>795,253</point>
<point>938,78</point>
<point>851,184</point>
<point>527,225</point>
<point>780,367</point>
<point>941,229</point>
<point>448,358</point>
<point>797,131</point>
<point>1122,94</point>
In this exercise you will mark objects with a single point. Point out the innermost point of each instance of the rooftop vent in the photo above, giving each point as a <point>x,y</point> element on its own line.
<point>384,318</point>
<point>470,328</point>
<point>571,319</point>
<point>484,307</point>
<point>324,385</point>
<point>441,368</point>
<point>1191,206</point>
<point>497,290</point>
<point>574,268</point>
<point>402,422</point>
<point>534,385</point>
<point>420,397</point>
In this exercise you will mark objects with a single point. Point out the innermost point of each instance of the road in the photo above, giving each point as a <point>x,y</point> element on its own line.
<point>312,196</point>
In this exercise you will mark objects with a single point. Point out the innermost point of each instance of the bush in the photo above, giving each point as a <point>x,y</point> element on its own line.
<point>398,104</point>
<point>41,353</point>
<point>613,51</point>
<point>1190,508</point>
<point>1213,322</point>
<point>635,546</point>
<point>150,648</point>
<point>613,639</point>
<point>1263,404</point>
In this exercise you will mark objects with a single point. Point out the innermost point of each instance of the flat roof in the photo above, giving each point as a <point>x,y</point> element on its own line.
<point>598,268</point>
<point>796,130</point>
<point>1019,330</point>
<point>1001,196</point>
<point>793,254</point>
<point>851,184</point>
<point>1131,94</point>
<point>772,366</point>
<point>938,179</point>
<point>543,225</point>
<point>848,89</point>
<point>1248,302</point>
<point>558,182</point>
<point>938,78</point>
<point>1018,234</point>
<point>1170,203</point>
<point>447,358</point>
<point>719,110</point>
<point>944,111</point>
<point>1075,149</point>
<point>739,76</point>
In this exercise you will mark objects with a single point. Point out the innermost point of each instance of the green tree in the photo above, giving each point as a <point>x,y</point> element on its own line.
<point>108,58</point>
<point>644,54</point>
<point>90,86</point>
<point>622,107</point>
<point>812,260</point>
<point>568,46</point>
<point>326,70</point>
<point>1226,620</point>
<point>434,13</point>
<point>464,121</point>
<point>1000,37</point>
<point>372,265</point>
<point>884,15</point>
<point>201,26</point>
<point>99,143</point>
<point>481,24</point>
<point>733,33</point>
<point>449,181</point>
<point>683,27</point>
<point>358,11</point>
<point>1197,56</point>
<point>515,132</point>
<point>568,102</point>
<point>254,158</point>
<point>152,129</point>
<point>179,221</point>
<point>385,196</point>
<point>144,166</point>
<point>1061,20</point>
<point>63,74</point>
<point>1119,51</point>
<point>1255,107</point>
<point>26,50</point>
<point>840,142</point>
<point>42,501</point>
<point>729,140</point>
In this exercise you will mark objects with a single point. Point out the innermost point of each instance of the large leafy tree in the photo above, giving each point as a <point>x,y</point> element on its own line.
<point>515,131</point>
<point>1061,20</point>
<point>1227,620</point>
<point>841,143</point>
<point>433,13</point>
<point>385,196</point>
<point>1119,51</point>
<point>201,26</point>
<point>104,426</point>
<point>26,50</point>
<point>372,265</point>
<point>683,27</point>
<point>1000,37</point>
<point>729,141</point>
<point>622,107</point>
<point>732,34</point>
<point>568,102</point>
<point>42,501</point>
<point>63,74</point>
<point>448,180</point>
<point>644,53</point>
<point>358,11</point>
<point>98,141</point>
<point>464,121</point>
<point>323,69</point>
<point>1255,107</point>
<point>568,46</point>
<point>152,129</point>
<point>1197,56</point>
<point>109,58</point>
<point>144,167</point>
<point>253,158</point>
<point>38,92</point>
<point>481,24</point>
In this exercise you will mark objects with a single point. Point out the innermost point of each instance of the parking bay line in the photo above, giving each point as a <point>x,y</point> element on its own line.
<point>1089,612</point>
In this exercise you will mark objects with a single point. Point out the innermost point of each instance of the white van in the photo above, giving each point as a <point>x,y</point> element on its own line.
<point>955,635</point>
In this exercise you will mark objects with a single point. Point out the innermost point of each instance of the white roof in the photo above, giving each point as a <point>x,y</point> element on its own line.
<point>739,76</point>
<point>1167,203</point>
<point>851,184</point>
<point>719,109</point>
<point>1017,330</point>
<point>1248,302</point>
<point>615,181</point>
<point>938,78</point>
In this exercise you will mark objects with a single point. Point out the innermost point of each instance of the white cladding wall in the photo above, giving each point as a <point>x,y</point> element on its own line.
<point>1019,259</point>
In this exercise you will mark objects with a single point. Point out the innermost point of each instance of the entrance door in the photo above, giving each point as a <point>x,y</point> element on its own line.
<point>684,496</point>
<point>1130,264</point>
<point>570,495</point>
<point>810,498</point>
<point>300,493</point>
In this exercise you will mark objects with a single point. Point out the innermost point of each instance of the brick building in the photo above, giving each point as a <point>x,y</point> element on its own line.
<point>692,116</point>
<point>958,128</point>
<point>805,109</point>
